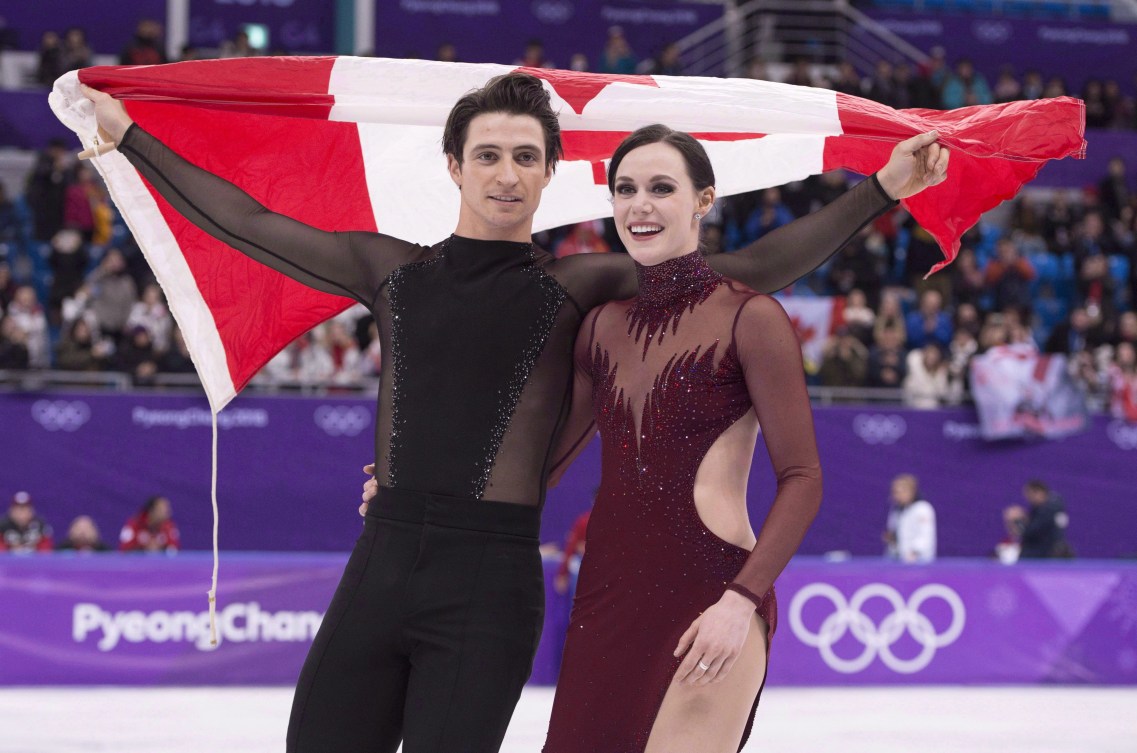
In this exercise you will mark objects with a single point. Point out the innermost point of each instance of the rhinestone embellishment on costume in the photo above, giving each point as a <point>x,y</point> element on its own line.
<point>667,291</point>
<point>553,295</point>
<point>398,322</point>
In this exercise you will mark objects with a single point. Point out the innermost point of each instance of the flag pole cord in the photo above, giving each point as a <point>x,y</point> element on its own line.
<point>213,498</point>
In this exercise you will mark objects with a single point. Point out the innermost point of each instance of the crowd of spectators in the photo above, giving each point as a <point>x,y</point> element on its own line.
<point>1059,272</point>
<point>937,84</point>
<point>151,529</point>
<point>940,85</point>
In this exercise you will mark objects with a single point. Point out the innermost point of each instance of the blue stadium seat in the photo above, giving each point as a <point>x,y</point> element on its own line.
<point>1048,313</point>
<point>1046,265</point>
<point>1018,7</point>
<point>1092,10</point>
<point>1119,268</point>
<point>1065,286</point>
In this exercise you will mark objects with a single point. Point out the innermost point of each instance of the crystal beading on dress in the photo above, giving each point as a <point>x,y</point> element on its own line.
<point>667,290</point>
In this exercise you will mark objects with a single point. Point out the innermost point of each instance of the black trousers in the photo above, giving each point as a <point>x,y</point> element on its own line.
<point>431,634</point>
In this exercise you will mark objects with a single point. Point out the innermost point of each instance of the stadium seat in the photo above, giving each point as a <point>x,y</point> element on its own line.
<point>1119,268</point>
<point>1046,265</point>
<point>1065,285</point>
<point>1092,10</point>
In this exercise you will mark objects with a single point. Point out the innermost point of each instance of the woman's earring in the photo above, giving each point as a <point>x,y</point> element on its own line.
<point>698,216</point>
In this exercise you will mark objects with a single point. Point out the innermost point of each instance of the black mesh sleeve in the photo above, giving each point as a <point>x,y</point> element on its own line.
<point>352,264</point>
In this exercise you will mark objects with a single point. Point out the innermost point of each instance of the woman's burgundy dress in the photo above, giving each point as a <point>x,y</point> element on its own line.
<point>665,374</point>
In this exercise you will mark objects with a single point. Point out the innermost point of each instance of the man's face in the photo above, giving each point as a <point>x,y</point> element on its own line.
<point>931,302</point>
<point>903,492</point>
<point>1034,496</point>
<point>501,177</point>
<point>21,515</point>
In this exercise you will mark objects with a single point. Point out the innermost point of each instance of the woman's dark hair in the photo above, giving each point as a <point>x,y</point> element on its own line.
<point>694,155</point>
<point>150,505</point>
<point>512,93</point>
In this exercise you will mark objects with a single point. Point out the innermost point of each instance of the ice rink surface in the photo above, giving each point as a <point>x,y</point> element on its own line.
<point>790,720</point>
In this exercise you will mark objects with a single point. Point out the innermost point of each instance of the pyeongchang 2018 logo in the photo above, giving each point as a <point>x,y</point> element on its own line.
<point>878,428</point>
<point>243,622</point>
<point>846,617</point>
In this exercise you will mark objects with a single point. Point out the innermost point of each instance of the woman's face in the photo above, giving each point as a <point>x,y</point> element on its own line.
<point>655,204</point>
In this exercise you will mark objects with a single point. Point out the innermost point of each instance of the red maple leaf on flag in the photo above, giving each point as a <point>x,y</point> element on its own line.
<point>804,333</point>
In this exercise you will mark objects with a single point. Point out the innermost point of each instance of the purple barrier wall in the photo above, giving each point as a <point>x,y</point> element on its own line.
<point>1101,147</point>
<point>26,122</point>
<point>968,480</point>
<point>109,26</point>
<point>289,471</point>
<point>294,26</point>
<point>105,619</point>
<point>1075,50</point>
<point>143,620</point>
<point>493,31</point>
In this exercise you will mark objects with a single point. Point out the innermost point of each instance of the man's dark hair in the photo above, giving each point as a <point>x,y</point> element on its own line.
<point>694,155</point>
<point>1036,485</point>
<point>512,93</point>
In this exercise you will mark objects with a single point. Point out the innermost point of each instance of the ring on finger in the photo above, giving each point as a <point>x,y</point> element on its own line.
<point>703,666</point>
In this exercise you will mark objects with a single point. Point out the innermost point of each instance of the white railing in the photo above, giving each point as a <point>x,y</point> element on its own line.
<point>15,382</point>
<point>778,31</point>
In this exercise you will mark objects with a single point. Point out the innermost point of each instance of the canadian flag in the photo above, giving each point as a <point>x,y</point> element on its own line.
<point>347,143</point>
<point>814,319</point>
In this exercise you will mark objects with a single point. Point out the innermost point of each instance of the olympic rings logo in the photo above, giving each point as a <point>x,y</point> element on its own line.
<point>61,415</point>
<point>991,32</point>
<point>875,428</point>
<point>552,11</point>
<point>342,421</point>
<point>1123,434</point>
<point>877,640</point>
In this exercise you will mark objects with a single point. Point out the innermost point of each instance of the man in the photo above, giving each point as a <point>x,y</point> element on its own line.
<point>1042,530</point>
<point>22,531</point>
<point>432,631</point>
<point>910,535</point>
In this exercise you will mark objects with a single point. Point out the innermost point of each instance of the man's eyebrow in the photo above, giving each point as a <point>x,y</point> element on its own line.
<point>531,147</point>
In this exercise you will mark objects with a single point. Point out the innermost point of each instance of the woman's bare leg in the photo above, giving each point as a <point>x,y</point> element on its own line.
<point>711,718</point>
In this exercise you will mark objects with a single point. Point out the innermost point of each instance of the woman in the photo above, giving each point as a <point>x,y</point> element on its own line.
<point>675,603</point>
<point>152,529</point>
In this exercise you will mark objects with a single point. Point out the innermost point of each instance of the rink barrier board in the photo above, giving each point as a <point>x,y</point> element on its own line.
<point>289,474</point>
<point>141,620</point>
